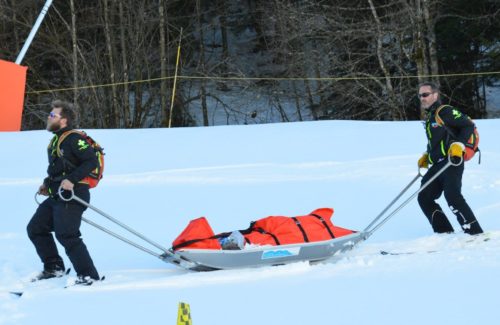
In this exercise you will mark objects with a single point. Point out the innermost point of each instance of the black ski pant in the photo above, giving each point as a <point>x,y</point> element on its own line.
<point>449,182</point>
<point>64,219</point>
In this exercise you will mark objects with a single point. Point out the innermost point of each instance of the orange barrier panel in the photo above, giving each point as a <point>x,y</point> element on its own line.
<point>12,85</point>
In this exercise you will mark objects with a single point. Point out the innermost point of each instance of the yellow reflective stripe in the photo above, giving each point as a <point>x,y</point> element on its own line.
<point>52,144</point>
<point>442,148</point>
<point>429,137</point>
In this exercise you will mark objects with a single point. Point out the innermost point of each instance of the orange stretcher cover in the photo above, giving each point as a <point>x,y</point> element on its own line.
<point>272,230</point>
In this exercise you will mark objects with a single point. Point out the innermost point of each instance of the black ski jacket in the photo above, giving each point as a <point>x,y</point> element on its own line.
<point>77,161</point>
<point>438,137</point>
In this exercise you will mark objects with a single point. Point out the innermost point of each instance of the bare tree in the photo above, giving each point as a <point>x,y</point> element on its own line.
<point>110,46</point>
<point>202,64</point>
<point>124,65</point>
<point>163,62</point>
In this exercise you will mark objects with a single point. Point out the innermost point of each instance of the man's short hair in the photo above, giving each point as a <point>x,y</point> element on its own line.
<point>434,86</point>
<point>67,111</point>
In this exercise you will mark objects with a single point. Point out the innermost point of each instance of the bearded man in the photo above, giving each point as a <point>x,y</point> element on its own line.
<point>71,159</point>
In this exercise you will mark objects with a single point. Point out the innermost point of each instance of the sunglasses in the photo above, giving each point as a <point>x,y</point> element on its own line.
<point>53,115</point>
<point>424,95</point>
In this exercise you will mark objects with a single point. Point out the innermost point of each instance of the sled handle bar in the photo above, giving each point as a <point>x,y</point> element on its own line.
<point>36,198</point>
<point>368,231</point>
<point>166,252</point>
<point>393,201</point>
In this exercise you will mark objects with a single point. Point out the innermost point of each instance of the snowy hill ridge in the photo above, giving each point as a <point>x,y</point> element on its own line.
<point>233,175</point>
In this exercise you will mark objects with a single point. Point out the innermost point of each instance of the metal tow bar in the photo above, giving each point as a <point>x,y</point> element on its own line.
<point>373,226</point>
<point>167,255</point>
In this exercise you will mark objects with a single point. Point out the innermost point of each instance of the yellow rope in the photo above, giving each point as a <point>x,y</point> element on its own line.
<point>261,78</point>
<point>96,86</point>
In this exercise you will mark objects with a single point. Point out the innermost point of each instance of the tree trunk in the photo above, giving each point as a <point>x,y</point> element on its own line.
<point>123,47</point>
<point>202,65</point>
<point>223,31</point>
<point>420,49</point>
<point>388,84</point>
<point>115,118</point>
<point>310,99</point>
<point>16,35</point>
<point>297,100</point>
<point>74,52</point>
<point>431,38</point>
<point>163,63</point>
<point>317,71</point>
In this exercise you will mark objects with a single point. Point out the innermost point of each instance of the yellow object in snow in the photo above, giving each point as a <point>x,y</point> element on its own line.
<point>184,314</point>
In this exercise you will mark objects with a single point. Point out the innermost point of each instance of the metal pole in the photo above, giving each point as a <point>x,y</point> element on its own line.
<point>38,22</point>
<point>448,164</point>
<point>109,232</point>
<point>79,200</point>
<point>393,201</point>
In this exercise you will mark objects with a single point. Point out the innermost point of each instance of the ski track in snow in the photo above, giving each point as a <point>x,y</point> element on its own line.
<point>256,173</point>
<point>259,173</point>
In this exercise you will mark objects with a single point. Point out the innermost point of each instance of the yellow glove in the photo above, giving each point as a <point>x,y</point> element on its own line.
<point>423,162</point>
<point>456,152</point>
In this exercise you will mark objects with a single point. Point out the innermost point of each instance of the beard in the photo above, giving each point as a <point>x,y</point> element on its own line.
<point>424,105</point>
<point>53,127</point>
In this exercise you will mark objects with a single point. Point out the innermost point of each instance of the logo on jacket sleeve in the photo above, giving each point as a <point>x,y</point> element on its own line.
<point>82,144</point>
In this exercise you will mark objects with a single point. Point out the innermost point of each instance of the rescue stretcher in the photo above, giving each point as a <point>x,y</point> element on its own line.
<point>256,256</point>
<point>211,259</point>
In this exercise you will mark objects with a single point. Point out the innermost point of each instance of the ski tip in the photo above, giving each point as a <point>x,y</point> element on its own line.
<point>16,293</point>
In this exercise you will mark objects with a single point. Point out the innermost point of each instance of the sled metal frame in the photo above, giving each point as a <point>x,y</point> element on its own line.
<point>373,226</point>
<point>166,255</point>
<point>209,259</point>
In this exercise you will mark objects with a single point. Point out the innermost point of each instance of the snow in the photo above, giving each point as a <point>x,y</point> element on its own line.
<point>157,180</point>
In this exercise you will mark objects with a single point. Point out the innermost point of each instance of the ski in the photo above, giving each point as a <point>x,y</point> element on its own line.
<point>467,242</point>
<point>478,238</point>
<point>34,282</point>
<point>396,253</point>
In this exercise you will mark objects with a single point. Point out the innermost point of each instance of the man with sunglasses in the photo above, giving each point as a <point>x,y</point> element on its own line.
<point>440,145</point>
<point>76,159</point>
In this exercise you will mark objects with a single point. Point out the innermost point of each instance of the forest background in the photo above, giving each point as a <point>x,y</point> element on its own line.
<point>253,61</point>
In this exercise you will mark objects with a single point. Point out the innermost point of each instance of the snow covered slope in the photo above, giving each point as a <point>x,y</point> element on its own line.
<point>156,180</point>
